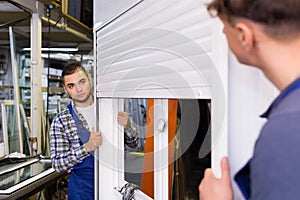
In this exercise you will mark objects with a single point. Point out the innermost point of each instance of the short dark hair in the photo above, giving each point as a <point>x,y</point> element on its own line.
<point>71,68</point>
<point>277,16</point>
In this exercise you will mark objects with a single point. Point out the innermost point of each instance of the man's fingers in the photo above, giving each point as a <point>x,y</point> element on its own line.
<point>101,140</point>
<point>97,134</point>
<point>122,114</point>
<point>98,139</point>
<point>208,172</point>
<point>225,168</point>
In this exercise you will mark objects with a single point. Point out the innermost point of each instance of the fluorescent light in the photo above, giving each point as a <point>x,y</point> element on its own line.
<point>54,49</point>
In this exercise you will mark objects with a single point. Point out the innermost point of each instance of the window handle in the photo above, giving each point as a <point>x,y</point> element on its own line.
<point>128,191</point>
<point>161,125</point>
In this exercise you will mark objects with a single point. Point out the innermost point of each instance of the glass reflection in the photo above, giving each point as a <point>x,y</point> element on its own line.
<point>12,129</point>
<point>19,175</point>
<point>192,153</point>
<point>189,145</point>
<point>134,139</point>
<point>9,129</point>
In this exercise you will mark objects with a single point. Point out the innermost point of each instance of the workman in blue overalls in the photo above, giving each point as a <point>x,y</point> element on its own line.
<point>73,138</point>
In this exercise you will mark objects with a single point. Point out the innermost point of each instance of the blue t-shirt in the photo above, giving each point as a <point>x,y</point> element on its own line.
<point>273,172</point>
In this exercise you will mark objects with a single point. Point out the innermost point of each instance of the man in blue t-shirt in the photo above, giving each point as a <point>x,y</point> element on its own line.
<point>265,34</point>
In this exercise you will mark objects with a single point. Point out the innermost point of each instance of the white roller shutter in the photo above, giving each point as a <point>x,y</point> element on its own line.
<point>158,49</point>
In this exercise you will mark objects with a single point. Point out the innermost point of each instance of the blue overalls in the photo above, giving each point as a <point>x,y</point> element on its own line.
<point>242,178</point>
<point>81,182</point>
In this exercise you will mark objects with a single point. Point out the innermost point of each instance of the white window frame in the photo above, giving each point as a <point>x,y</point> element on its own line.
<point>109,171</point>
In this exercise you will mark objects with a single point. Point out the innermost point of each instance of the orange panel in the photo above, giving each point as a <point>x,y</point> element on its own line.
<point>172,115</point>
<point>148,175</point>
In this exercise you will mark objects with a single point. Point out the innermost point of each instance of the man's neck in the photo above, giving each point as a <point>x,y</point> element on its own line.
<point>281,72</point>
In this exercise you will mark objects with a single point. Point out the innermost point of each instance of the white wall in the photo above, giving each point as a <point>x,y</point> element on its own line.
<point>250,94</point>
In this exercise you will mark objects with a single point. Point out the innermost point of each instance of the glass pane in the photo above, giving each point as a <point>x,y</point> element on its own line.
<point>189,146</point>
<point>19,175</point>
<point>9,117</point>
<point>1,128</point>
<point>12,129</point>
<point>138,146</point>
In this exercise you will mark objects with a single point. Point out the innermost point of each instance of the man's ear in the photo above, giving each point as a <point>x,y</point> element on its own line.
<point>66,90</point>
<point>245,35</point>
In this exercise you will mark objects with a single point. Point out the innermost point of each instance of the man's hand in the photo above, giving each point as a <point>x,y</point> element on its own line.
<point>123,119</point>
<point>94,141</point>
<point>214,188</point>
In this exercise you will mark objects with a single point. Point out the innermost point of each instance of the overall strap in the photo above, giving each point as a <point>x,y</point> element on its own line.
<point>84,134</point>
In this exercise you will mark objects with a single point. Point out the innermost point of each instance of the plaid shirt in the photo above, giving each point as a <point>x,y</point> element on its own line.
<point>65,148</point>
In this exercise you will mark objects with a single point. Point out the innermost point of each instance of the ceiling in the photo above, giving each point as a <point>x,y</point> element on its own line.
<point>59,28</point>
